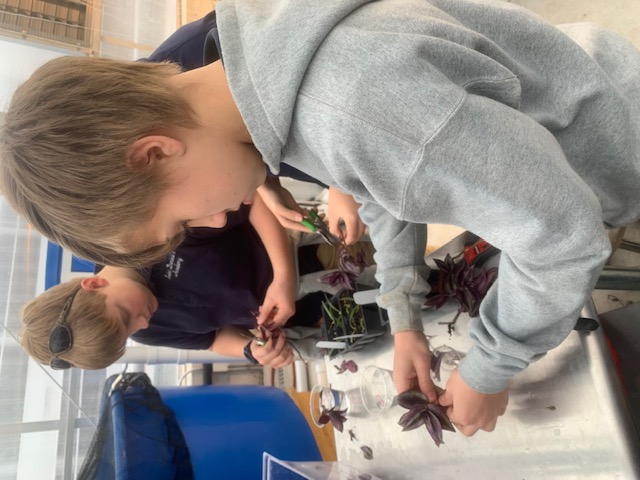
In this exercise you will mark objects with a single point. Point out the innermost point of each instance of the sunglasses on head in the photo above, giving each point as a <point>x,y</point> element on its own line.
<point>61,339</point>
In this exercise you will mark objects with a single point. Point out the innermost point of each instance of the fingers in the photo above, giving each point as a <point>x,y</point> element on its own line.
<point>426,384</point>
<point>354,230</point>
<point>263,315</point>
<point>467,430</point>
<point>445,399</point>
<point>411,361</point>
<point>334,226</point>
<point>403,383</point>
<point>275,310</point>
<point>470,430</point>
<point>289,218</point>
<point>464,424</point>
<point>281,315</point>
<point>267,312</point>
<point>276,355</point>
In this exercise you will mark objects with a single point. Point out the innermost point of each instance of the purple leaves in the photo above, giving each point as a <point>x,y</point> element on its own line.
<point>269,330</point>
<point>462,282</point>
<point>367,452</point>
<point>339,279</point>
<point>421,412</point>
<point>349,269</point>
<point>333,415</point>
<point>436,363</point>
<point>347,365</point>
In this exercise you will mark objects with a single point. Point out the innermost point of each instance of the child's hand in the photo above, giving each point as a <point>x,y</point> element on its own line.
<point>469,410</point>
<point>412,362</point>
<point>282,204</point>
<point>276,355</point>
<point>343,207</point>
<point>279,304</point>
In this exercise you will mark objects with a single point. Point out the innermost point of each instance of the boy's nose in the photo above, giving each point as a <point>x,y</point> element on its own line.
<point>218,220</point>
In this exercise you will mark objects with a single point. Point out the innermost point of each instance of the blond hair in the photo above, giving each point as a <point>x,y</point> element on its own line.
<point>65,143</point>
<point>98,339</point>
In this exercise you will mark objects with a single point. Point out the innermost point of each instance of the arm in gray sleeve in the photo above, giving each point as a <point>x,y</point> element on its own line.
<point>506,178</point>
<point>401,270</point>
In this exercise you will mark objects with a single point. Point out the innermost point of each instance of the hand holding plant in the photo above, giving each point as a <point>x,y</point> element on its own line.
<point>412,363</point>
<point>274,352</point>
<point>423,413</point>
<point>470,410</point>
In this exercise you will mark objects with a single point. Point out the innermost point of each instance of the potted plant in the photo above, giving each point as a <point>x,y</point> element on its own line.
<point>462,282</point>
<point>346,323</point>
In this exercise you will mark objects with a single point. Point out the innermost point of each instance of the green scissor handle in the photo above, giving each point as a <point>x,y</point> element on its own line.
<point>314,215</point>
<point>309,225</point>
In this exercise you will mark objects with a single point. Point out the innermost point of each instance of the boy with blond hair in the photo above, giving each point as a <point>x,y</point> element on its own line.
<point>203,295</point>
<point>474,113</point>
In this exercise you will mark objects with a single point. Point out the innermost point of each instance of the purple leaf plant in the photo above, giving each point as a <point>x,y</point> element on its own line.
<point>421,412</point>
<point>349,269</point>
<point>346,365</point>
<point>333,415</point>
<point>464,283</point>
<point>345,315</point>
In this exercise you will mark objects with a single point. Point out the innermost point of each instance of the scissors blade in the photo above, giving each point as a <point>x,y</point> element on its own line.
<point>327,236</point>
<point>316,225</point>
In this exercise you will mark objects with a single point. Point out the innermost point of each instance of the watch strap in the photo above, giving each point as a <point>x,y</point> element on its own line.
<point>248,355</point>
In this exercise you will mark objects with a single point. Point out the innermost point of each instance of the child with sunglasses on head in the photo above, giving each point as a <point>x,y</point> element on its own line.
<point>474,113</point>
<point>203,295</point>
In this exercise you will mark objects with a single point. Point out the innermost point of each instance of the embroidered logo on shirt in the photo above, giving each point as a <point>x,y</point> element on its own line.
<point>172,267</point>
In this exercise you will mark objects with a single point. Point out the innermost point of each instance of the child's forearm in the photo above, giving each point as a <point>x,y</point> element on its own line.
<point>229,342</point>
<point>275,240</point>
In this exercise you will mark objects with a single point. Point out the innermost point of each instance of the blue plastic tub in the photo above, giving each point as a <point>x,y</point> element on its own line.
<point>228,427</point>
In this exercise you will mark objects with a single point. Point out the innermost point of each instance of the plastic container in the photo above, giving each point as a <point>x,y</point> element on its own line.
<point>228,427</point>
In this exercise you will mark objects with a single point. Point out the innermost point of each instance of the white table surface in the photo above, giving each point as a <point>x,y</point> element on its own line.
<point>567,419</point>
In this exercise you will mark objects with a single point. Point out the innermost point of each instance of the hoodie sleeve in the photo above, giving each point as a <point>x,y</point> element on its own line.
<point>401,270</point>
<point>505,178</point>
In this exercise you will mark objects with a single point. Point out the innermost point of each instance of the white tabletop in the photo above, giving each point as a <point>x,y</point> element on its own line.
<point>567,419</point>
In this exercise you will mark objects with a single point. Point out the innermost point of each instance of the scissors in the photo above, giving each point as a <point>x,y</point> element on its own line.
<point>316,225</point>
<point>252,334</point>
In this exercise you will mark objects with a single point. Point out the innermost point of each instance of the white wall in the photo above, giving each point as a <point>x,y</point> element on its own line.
<point>146,22</point>
<point>19,60</point>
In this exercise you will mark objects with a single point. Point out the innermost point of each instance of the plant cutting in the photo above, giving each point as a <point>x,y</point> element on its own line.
<point>344,320</point>
<point>333,415</point>
<point>367,452</point>
<point>462,282</point>
<point>349,365</point>
<point>421,412</point>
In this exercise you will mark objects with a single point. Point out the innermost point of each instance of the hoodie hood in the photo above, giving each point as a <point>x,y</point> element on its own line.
<point>266,98</point>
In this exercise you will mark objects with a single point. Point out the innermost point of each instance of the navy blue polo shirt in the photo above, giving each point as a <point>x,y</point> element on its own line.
<point>216,278</point>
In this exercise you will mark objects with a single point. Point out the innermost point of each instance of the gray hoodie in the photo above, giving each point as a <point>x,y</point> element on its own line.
<point>471,113</point>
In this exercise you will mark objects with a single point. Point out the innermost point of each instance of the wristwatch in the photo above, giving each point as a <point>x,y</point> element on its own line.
<point>248,355</point>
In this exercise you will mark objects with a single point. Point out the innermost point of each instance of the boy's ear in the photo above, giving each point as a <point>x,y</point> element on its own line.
<point>91,284</point>
<point>147,150</point>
